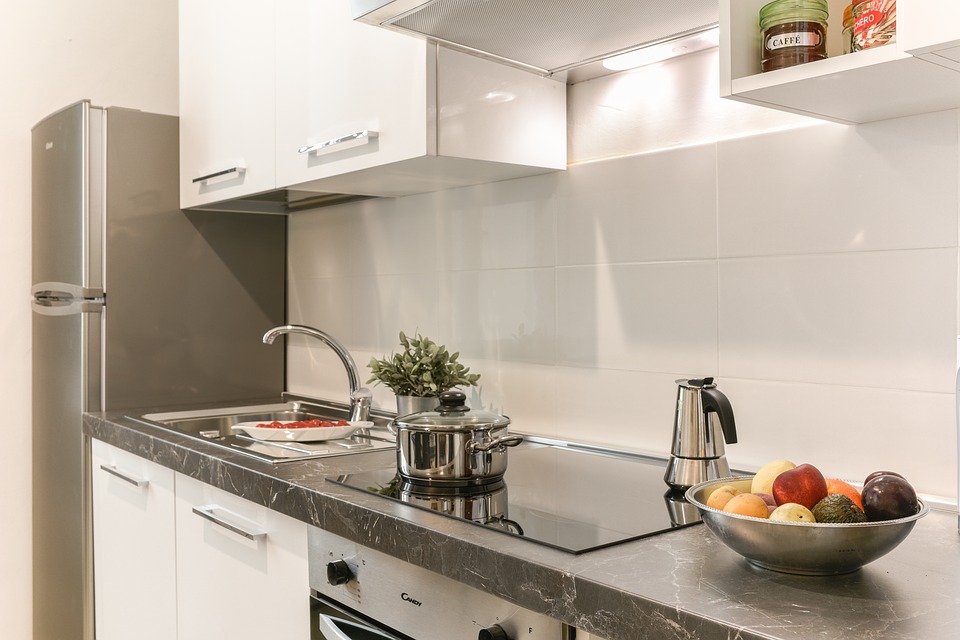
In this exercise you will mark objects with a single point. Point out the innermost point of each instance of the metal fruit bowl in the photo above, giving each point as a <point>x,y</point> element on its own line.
<point>815,549</point>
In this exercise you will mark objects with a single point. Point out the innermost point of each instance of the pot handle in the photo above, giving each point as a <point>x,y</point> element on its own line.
<point>506,524</point>
<point>497,443</point>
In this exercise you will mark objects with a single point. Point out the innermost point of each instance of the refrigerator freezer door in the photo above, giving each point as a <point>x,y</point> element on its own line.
<point>67,197</point>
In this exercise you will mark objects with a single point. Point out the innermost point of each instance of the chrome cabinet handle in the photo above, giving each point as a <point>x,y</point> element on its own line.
<point>208,512</point>
<point>239,170</point>
<point>358,138</point>
<point>137,482</point>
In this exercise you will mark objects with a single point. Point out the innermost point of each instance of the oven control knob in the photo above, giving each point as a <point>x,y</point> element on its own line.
<point>338,572</point>
<point>495,632</point>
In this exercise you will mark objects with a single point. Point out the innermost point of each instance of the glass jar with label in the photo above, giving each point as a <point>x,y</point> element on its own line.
<point>874,23</point>
<point>848,29</point>
<point>792,32</point>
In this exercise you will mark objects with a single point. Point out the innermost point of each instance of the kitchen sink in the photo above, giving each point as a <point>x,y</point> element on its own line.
<point>215,426</point>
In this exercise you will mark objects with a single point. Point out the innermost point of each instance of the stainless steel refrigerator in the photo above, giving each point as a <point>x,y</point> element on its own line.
<point>136,304</point>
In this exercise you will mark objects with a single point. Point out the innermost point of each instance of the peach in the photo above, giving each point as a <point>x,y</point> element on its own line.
<point>748,504</point>
<point>721,495</point>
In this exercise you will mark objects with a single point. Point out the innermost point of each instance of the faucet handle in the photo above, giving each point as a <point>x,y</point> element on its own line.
<point>360,401</point>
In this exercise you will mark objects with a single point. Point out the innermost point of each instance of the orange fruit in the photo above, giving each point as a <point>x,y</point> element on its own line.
<point>845,488</point>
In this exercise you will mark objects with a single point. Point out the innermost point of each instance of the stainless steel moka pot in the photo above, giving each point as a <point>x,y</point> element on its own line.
<point>704,421</point>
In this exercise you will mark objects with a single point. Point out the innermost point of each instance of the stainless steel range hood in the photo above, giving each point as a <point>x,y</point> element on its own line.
<point>547,37</point>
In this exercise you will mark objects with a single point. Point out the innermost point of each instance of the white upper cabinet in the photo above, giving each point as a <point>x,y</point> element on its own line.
<point>336,80</point>
<point>920,73</point>
<point>306,99</point>
<point>227,59</point>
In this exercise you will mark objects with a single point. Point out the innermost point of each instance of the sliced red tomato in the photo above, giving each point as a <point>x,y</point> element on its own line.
<point>303,424</point>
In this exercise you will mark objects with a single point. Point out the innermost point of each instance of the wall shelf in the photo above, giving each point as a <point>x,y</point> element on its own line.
<point>887,82</point>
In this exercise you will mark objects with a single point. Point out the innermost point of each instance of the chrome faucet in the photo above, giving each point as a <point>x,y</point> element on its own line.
<point>359,396</point>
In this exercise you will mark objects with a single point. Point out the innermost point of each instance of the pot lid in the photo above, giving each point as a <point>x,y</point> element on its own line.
<point>453,413</point>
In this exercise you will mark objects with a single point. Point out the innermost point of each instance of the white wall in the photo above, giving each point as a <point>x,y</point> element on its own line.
<point>811,266</point>
<point>56,52</point>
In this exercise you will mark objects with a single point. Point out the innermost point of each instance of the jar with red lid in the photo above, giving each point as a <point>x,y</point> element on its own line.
<point>874,23</point>
<point>792,32</point>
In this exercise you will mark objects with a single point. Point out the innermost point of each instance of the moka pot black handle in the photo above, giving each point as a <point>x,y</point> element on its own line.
<point>713,400</point>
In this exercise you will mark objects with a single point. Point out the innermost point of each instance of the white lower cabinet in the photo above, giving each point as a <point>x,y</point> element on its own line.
<point>178,559</point>
<point>134,547</point>
<point>241,568</point>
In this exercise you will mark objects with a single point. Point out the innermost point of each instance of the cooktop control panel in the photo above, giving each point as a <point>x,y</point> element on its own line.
<point>412,600</point>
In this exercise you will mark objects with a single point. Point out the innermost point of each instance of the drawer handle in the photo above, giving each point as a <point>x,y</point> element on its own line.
<point>137,482</point>
<point>239,170</point>
<point>208,512</point>
<point>358,138</point>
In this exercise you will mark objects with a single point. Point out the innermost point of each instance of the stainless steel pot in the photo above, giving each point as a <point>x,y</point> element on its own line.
<point>453,445</point>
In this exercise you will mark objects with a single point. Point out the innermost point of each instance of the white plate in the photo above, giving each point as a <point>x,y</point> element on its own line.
<point>316,434</point>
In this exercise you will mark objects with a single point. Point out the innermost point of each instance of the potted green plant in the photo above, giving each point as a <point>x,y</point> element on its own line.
<point>420,372</point>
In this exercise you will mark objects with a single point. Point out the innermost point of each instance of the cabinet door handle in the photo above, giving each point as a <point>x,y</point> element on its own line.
<point>239,170</point>
<point>208,512</point>
<point>358,138</point>
<point>137,482</point>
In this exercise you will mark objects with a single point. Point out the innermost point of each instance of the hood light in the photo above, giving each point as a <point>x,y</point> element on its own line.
<point>674,48</point>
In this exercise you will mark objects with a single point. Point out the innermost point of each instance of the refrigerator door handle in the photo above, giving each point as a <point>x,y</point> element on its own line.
<point>64,299</point>
<point>64,290</point>
<point>51,307</point>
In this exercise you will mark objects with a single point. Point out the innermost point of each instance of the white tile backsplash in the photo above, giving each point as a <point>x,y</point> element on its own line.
<point>656,206</point>
<point>870,319</point>
<point>827,309</point>
<point>846,431</point>
<point>505,225</point>
<point>638,317</point>
<point>500,314</point>
<point>621,409</point>
<point>835,188</point>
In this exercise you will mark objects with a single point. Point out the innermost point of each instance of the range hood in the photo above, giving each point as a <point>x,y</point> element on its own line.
<point>547,37</point>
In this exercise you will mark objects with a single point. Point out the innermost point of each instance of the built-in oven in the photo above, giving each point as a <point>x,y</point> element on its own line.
<point>358,593</point>
<point>331,621</point>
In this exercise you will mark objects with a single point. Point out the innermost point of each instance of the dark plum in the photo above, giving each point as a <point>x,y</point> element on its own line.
<point>888,497</point>
<point>877,474</point>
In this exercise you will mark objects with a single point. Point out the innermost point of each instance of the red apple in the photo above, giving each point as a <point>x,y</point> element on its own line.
<point>804,485</point>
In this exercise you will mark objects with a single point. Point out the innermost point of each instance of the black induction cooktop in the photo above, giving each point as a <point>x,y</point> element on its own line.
<point>575,498</point>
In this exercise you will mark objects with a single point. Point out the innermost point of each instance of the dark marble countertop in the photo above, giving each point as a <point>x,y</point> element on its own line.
<point>683,584</point>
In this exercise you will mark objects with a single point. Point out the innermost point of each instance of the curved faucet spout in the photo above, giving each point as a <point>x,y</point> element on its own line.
<point>359,398</point>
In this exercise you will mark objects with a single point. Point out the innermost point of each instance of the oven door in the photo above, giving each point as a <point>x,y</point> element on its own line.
<point>331,621</point>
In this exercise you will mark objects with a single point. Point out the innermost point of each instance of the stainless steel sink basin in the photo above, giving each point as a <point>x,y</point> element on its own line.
<point>215,426</point>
